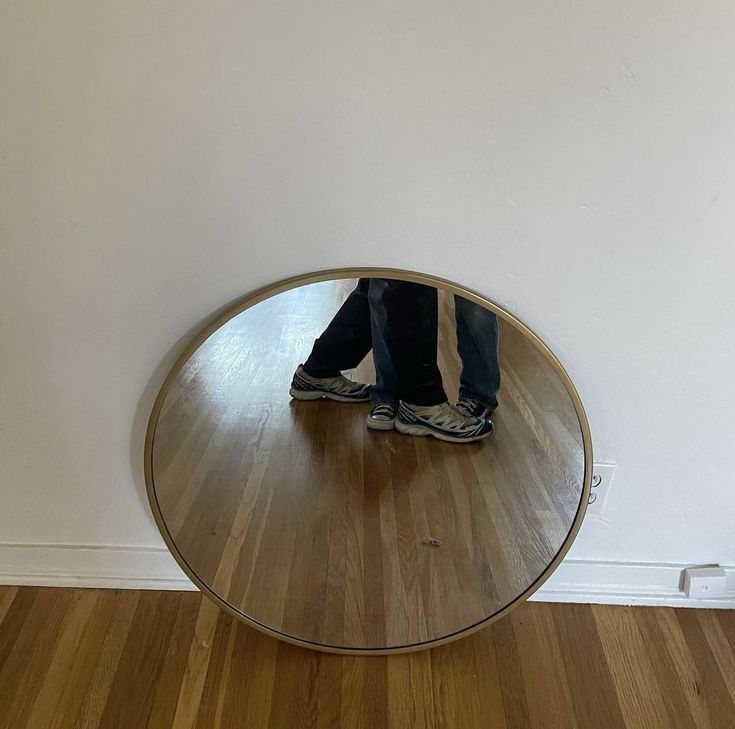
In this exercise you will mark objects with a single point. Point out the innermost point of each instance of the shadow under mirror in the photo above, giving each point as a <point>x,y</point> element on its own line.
<point>367,464</point>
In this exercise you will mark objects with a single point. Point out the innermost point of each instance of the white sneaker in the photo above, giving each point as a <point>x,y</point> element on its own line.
<point>441,421</point>
<point>306,387</point>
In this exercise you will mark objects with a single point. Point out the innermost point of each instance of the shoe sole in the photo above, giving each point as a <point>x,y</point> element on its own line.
<point>381,424</point>
<point>419,430</point>
<point>319,394</point>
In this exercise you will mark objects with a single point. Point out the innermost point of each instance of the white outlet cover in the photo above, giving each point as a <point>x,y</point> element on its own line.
<point>602,476</point>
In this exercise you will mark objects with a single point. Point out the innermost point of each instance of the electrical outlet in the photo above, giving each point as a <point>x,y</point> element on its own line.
<point>602,476</point>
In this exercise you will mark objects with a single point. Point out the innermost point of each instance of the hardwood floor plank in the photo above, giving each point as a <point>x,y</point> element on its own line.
<point>590,683</point>
<point>212,700</point>
<point>717,699</point>
<point>249,684</point>
<point>16,613</point>
<point>7,595</point>
<point>294,699</point>
<point>720,647</point>
<point>142,661</point>
<point>470,668</point>
<point>688,672</point>
<point>195,674</point>
<point>70,667</point>
<point>542,666</point>
<point>105,660</point>
<point>409,686</point>
<point>329,692</point>
<point>726,619</point>
<point>511,676</point>
<point>352,693</point>
<point>25,668</point>
<point>89,655</point>
<point>458,674</point>
<point>169,681</point>
<point>658,646</point>
<point>374,692</point>
<point>641,699</point>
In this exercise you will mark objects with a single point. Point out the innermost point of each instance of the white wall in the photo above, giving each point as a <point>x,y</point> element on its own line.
<point>573,161</point>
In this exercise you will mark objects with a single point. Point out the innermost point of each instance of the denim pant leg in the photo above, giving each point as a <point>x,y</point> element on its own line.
<point>346,340</point>
<point>477,344</point>
<point>411,337</point>
<point>385,388</point>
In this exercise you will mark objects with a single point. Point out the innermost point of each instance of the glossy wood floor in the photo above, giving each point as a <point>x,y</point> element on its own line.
<point>316,527</point>
<point>88,659</point>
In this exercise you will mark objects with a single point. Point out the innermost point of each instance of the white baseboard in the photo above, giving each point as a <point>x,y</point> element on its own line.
<point>153,568</point>
<point>80,565</point>
<point>627,583</point>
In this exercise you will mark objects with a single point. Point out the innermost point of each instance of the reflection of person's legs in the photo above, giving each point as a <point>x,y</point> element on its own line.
<point>477,345</point>
<point>385,389</point>
<point>397,319</point>
<point>347,338</point>
<point>341,346</point>
<point>411,330</point>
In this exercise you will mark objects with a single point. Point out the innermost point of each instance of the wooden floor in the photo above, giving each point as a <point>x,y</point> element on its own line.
<point>307,522</point>
<point>83,659</point>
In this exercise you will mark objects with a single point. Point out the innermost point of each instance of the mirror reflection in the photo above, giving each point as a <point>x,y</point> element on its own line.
<point>398,321</point>
<point>367,464</point>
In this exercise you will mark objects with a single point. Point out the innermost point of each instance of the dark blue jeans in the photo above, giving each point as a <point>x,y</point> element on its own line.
<point>347,338</point>
<point>477,345</point>
<point>398,320</point>
<point>405,327</point>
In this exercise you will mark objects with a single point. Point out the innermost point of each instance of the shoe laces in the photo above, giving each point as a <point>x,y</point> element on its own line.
<point>447,416</point>
<point>383,409</point>
<point>466,405</point>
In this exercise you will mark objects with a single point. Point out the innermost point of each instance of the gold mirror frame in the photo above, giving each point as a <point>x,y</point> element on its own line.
<point>279,287</point>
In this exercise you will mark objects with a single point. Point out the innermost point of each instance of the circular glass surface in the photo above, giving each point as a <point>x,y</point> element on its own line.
<point>296,503</point>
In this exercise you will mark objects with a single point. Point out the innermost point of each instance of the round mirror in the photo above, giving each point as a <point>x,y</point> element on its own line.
<point>368,461</point>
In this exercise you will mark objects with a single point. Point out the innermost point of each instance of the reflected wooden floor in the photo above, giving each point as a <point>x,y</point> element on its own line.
<point>108,659</point>
<point>309,523</point>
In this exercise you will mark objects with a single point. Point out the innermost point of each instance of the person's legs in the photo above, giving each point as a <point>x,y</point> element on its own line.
<point>385,389</point>
<point>341,346</point>
<point>424,410</point>
<point>477,345</point>
<point>347,338</point>
<point>411,330</point>
<point>405,332</point>
<point>384,393</point>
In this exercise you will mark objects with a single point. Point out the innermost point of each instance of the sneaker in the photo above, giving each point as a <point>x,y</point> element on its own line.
<point>306,387</point>
<point>473,408</point>
<point>382,416</point>
<point>443,422</point>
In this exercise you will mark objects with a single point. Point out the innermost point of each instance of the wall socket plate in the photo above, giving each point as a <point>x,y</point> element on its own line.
<point>602,476</point>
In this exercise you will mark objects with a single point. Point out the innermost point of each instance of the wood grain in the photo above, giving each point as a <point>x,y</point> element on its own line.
<point>307,522</point>
<point>105,659</point>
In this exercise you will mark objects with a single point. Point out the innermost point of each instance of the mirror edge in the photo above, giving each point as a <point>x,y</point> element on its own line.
<point>268,291</point>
